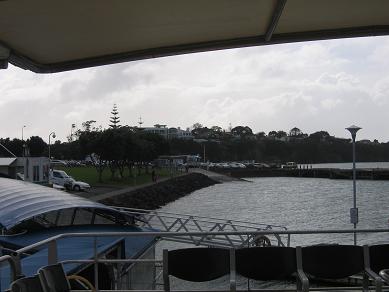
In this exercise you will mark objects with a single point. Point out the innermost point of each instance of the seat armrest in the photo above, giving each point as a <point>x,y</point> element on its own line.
<point>232,285</point>
<point>384,275</point>
<point>303,280</point>
<point>377,279</point>
<point>232,271</point>
<point>372,274</point>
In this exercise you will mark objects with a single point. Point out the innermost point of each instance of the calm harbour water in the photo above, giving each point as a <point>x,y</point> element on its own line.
<point>297,203</point>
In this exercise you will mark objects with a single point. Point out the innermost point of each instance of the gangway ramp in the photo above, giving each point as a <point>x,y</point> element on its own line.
<point>175,222</point>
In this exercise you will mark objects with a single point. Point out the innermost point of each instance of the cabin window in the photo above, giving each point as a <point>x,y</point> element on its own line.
<point>65,217</point>
<point>35,173</point>
<point>45,172</point>
<point>83,216</point>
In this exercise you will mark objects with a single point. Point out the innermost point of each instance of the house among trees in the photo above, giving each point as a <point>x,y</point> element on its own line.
<point>169,133</point>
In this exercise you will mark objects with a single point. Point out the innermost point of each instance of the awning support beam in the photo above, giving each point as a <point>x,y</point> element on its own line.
<point>275,18</point>
<point>4,56</point>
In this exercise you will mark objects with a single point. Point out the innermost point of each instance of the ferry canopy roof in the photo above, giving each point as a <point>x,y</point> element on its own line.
<point>20,201</point>
<point>52,36</point>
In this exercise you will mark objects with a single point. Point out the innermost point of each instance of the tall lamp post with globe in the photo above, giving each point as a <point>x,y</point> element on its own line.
<point>51,134</point>
<point>354,211</point>
<point>23,140</point>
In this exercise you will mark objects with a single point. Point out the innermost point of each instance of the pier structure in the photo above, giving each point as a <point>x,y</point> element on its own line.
<point>331,173</point>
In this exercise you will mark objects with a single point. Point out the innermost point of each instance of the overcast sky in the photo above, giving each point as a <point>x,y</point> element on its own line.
<point>314,86</point>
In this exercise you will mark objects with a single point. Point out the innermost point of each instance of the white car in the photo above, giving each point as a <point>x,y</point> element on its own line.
<point>58,162</point>
<point>61,178</point>
<point>236,165</point>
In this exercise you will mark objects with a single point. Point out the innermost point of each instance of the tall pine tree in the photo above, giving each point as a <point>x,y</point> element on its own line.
<point>114,120</point>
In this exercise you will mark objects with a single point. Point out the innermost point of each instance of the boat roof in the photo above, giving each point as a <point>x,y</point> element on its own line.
<point>52,36</point>
<point>73,247</point>
<point>20,201</point>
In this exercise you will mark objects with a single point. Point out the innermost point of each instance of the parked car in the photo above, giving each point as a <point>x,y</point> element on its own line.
<point>58,162</point>
<point>289,165</point>
<point>61,178</point>
<point>236,165</point>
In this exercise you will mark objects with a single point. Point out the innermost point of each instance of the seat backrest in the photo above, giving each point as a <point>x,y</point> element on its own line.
<point>379,257</point>
<point>266,263</point>
<point>27,284</point>
<point>53,279</point>
<point>198,264</point>
<point>332,261</point>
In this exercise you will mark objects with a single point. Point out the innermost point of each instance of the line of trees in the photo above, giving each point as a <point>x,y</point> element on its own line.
<point>37,147</point>
<point>120,148</point>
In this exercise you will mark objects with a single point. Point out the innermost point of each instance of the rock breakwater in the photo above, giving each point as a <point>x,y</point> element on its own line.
<point>154,196</point>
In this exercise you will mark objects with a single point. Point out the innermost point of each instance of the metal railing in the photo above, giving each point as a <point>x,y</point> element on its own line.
<point>51,244</point>
<point>176,222</point>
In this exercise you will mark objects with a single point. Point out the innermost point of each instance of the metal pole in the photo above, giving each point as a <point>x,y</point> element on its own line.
<point>354,210</point>
<point>204,151</point>
<point>49,149</point>
<point>23,141</point>
<point>354,188</point>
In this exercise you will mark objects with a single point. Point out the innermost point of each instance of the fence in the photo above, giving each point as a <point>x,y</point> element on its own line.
<point>16,269</point>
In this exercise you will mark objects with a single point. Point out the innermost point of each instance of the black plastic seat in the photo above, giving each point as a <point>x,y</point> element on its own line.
<point>266,263</point>
<point>53,279</point>
<point>27,284</point>
<point>332,261</point>
<point>379,257</point>
<point>335,262</point>
<point>195,264</point>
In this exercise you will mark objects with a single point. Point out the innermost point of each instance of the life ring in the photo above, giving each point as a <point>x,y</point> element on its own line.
<point>261,241</point>
<point>82,280</point>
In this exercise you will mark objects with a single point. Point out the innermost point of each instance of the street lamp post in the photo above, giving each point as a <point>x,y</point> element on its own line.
<point>354,211</point>
<point>204,152</point>
<point>51,134</point>
<point>22,132</point>
<point>23,140</point>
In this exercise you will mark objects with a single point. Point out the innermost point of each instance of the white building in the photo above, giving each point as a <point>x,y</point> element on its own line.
<point>32,169</point>
<point>169,133</point>
<point>158,129</point>
<point>178,133</point>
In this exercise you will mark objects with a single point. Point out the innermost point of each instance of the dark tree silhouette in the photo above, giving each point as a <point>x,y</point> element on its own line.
<point>36,145</point>
<point>295,132</point>
<point>114,120</point>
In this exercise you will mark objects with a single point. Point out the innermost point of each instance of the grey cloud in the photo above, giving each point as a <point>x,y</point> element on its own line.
<point>315,86</point>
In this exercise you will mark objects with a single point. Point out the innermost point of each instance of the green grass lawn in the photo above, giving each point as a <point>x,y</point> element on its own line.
<point>89,174</point>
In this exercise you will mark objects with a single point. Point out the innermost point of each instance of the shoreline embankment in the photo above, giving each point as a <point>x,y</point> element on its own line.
<point>154,196</point>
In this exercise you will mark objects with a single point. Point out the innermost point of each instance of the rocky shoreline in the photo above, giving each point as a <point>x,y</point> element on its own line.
<point>159,194</point>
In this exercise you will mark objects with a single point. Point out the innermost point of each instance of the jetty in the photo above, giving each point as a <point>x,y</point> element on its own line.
<point>216,176</point>
<point>331,173</point>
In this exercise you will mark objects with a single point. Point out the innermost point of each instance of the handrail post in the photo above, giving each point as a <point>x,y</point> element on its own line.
<point>96,266</point>
<point>16,266</point>
<point>165,270</point>
<point>52,252</point>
